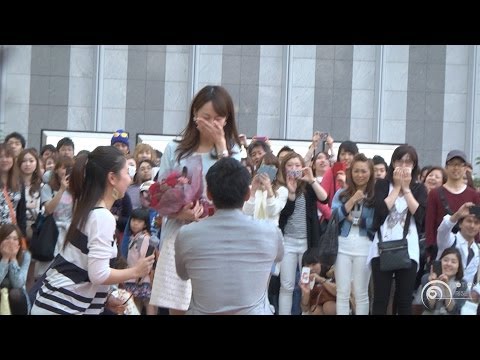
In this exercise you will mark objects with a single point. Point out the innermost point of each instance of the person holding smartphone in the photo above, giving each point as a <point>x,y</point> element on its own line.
<point>56,198</point>
<point>321,142</point>
<point>79,278</point>
<point>298,222</point>
<point>267,196</point>
<point>318,294</point>
<point>267,199</point>
<point>445,293</point>
<point>464,240</point>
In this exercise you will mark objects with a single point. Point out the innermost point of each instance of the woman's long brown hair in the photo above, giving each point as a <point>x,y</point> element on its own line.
<point>352,187</point>
<point>7,229</point>
<point>13,180</point>
<point>223,104</point>
<point>36,182</point>
<point>88,183</point>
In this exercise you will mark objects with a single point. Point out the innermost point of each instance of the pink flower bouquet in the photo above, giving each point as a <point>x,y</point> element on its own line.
<point>178,187</point>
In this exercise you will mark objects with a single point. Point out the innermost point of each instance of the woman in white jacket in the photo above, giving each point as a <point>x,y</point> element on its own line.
<point>267,199</point>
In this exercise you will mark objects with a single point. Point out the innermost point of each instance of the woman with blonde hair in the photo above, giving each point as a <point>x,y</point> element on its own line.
<point>355,208</point>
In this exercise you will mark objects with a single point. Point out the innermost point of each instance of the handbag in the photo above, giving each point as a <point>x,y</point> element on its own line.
<point>44,238</point>
<point>328,247</point>
<point>394,253</point>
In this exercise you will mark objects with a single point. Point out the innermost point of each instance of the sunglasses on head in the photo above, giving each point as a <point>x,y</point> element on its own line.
<point>123,134</point>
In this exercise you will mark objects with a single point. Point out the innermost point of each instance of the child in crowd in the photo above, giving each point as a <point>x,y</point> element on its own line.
<point>138,243</point>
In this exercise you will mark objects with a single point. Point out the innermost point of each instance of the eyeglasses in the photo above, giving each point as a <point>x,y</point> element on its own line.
<point>123,134</point>
<point>405,162</point>
<point>460,165</point>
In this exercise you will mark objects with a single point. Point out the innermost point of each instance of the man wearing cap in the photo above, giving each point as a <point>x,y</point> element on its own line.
<point>120,141</point>
<point>454,192</point>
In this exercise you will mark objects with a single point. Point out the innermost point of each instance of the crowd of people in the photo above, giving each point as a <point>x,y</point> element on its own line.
<point>240,245</point>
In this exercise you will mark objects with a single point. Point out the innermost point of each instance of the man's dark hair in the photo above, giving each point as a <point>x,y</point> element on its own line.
<point>66,141</point>
<point>18,136</point>
<point>285,148</point>
<point>49,147</point>
<point>258,143</point>
<point>378,160</point>
<point>228,182</point>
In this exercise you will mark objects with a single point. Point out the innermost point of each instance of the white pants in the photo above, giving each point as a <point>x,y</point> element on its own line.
<point>348,268</point>
<point>288,270</point>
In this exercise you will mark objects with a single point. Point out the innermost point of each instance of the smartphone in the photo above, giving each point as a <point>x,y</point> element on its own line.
<point>437,267</point>
<point>475,210</point>
<point>270,170</point>
<point>305,277</point>
<point>260,138</point>
<point>150,250</point>
<point>68,171</point>
<point>297,174</point>
<point>321,144</point>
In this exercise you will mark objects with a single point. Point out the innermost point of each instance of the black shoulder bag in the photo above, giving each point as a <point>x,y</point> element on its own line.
<point>328,247</point>
<point>394,253</point>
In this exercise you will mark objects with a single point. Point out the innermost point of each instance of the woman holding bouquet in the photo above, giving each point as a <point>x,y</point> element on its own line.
<point>211,133</point>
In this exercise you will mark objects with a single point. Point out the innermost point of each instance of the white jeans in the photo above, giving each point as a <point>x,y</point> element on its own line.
<point>348,268</point>
<point>288,270</point>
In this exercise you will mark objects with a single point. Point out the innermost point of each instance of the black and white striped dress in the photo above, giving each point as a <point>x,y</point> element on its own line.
<point>67,289</point>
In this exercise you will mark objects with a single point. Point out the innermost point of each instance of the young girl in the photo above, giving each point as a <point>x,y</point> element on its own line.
<point>138,242</point>
<point>298,222</point>
<point>14,264</point>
